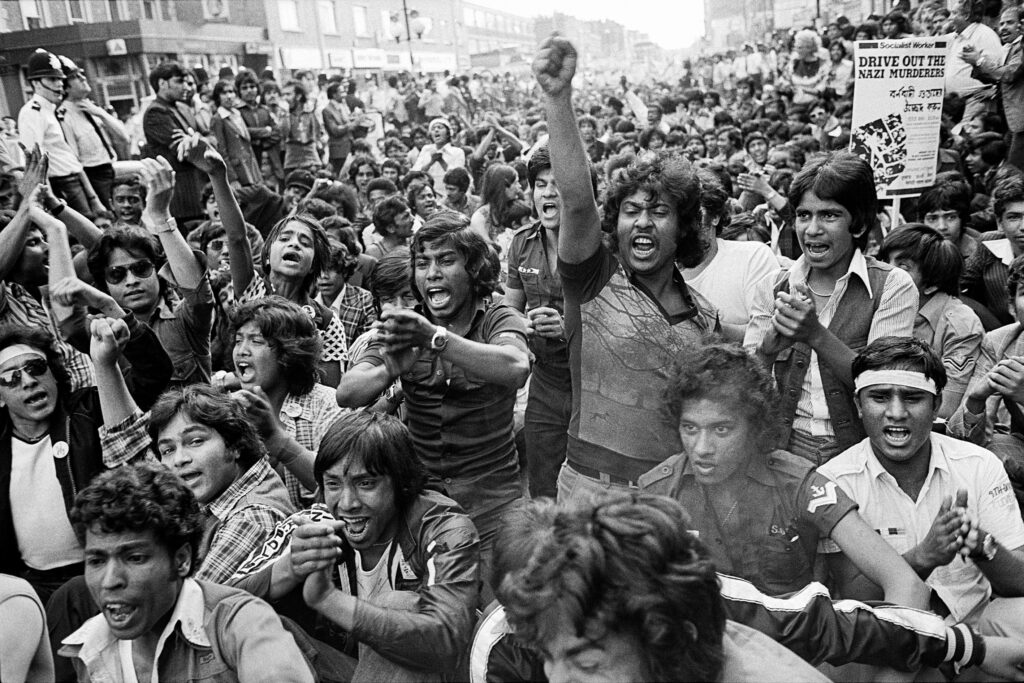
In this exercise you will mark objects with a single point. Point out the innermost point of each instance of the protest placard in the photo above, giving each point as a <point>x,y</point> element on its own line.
<point>897,109</point>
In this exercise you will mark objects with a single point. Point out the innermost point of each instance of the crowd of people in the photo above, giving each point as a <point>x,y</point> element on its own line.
<point>316,379</point>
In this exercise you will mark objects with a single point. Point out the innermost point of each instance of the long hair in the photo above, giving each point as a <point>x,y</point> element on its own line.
<point>321,246</point>
<point>497,179</point>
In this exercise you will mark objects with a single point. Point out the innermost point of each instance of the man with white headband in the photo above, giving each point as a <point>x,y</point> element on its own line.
<point>946,505</point>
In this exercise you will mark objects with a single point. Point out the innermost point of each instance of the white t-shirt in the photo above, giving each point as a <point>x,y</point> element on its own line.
<point>728,281</point>
<point>372,583</point>
<point>45,537</point>
<point>904,523</point>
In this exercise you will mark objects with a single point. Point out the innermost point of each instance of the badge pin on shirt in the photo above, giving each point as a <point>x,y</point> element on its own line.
<point>60,450</point>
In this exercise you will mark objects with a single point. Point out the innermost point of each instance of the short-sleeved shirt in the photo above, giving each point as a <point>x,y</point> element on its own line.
<point>772,537</point>
<point>307,418</point>
<point>730,280</point>
<point>529,270</point>
<point>904,522</point>
<point>953,330</point>
<point>460,424</point>
<point>621,345</point>
<point>39,124</point>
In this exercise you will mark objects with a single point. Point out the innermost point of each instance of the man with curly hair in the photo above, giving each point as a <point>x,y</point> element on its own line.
<point>762,512</point>
<point>617,590</point>
<point>628,312</point>
<point>140,527</point>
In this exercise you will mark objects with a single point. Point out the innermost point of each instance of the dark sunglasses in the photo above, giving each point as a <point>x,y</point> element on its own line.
<point>115,275</point>
<point>216,244</point>
<point>36,367</point>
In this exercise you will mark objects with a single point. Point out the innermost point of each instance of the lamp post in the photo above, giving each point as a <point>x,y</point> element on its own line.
<point>408,35</point>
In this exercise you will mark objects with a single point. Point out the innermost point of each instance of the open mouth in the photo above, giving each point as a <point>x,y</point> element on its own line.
<point>355,527</point>
<point>549,210</point>
<point>438,298</point>
<point>291,257</point>
<point>246,372</point>
<point>897,436</point>
<point>643,247</point>
<point>815,249</point>
<point>118,614</point>
<point>36,400</point>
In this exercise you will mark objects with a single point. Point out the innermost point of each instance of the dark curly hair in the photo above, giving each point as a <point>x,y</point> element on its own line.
<point>619,564</point>
<point>291,334</point>
<point>725,372</point>
<point>385,447</point>
<point>143,497</point>
<point>359,161</point>
<point>481,260</point>
<point>42,339</point>
<point>203,404</point>
<point>321,246</point>
<point>669,175</point>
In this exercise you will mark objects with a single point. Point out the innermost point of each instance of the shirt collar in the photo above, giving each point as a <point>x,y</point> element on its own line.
<point>1001,248</point>
<point>45,103</point>
<point>225,113</point>
<point>250,479</point>
<point>858,266</point>
<point>874,467</point>
<point>95,635</point>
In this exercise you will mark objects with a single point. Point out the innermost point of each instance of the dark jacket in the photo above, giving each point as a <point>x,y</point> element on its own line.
<point>440,556</point>
<point>159,122</point>
<point>76,422</point>
<point>234,145</point>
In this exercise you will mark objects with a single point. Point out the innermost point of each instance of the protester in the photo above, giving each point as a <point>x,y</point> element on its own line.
<point>140,528</point>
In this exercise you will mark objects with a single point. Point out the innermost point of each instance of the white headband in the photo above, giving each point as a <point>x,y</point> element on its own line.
<point>15,350</point>
<point>905,378</point>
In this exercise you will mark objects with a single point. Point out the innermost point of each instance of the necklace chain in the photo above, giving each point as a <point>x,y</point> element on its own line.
<point>824,296</point>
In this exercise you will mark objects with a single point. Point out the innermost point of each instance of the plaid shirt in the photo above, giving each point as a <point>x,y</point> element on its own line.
<point>354,307</point>
<point>333,335</point>
<point>19,307</point>
<point>307,418</point>
<point>243,518</point>
<point>125,440</point>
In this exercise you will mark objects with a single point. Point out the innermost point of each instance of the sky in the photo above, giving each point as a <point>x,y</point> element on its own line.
<point>670,23</point>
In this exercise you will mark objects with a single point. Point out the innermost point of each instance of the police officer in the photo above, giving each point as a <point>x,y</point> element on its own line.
<point>39,124</point>
<point>91,132</point>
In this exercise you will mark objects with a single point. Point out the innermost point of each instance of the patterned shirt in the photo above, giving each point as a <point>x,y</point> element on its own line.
<point>307,418</point>
<point>241,519</point>
<point>354,307</point>
<point>333,330</point>
<point>19,307</point>
<point>125,440</point>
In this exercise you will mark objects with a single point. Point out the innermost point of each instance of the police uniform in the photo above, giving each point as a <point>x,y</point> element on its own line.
<point>771,537</point>
<point>39,124</point>
<point>87,139</point>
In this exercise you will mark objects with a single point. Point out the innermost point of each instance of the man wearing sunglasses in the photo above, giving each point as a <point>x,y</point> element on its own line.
<point>124,262</point>
<point>54,440</point>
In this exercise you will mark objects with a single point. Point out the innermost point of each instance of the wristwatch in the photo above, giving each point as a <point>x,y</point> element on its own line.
<point>439,341</point>
<point>986,551</point>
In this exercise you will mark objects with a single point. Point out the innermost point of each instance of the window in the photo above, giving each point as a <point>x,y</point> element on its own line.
<point>467,16</point>
<point>32,14</point>
<point>76,10</point>
<point>113,10</point>
<point>149,9</point>
<point>359,21</point>
<point>328,24</point>
<point>288,14</point>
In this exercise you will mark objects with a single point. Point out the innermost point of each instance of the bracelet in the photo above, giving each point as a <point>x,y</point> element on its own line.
<point>170,225</point>
<point>59,209</point>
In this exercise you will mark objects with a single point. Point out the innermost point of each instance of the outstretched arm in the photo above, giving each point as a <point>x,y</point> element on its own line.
<point>158,177</point>
<point>579,235</point>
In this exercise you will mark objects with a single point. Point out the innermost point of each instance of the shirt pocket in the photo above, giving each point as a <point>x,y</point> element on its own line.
<point>785,566</point>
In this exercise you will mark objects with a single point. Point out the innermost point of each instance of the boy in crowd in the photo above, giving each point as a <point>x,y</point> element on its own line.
<point>140,527</point>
